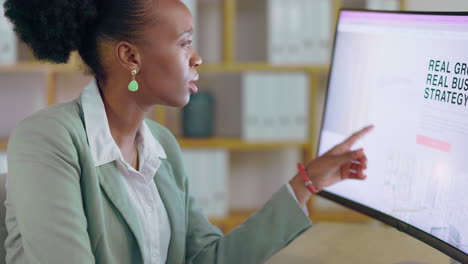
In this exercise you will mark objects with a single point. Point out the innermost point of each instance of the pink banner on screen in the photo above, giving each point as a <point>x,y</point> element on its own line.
<point>404,18</point>
<point>433,143</point>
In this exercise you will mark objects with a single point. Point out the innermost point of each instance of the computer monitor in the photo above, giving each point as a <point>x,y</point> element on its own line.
<point>406,73</point>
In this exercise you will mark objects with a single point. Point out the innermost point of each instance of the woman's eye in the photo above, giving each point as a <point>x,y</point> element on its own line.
<point>187,44</point>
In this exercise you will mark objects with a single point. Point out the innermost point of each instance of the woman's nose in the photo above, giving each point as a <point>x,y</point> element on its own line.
<point>196,60</point>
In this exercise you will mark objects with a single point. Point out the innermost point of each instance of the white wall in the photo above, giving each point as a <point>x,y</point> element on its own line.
<point>437,5</point>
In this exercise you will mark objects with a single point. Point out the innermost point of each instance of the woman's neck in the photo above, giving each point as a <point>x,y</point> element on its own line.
<point>124,115</point>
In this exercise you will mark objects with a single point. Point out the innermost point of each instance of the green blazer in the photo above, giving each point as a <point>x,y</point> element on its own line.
<point>69,211</point>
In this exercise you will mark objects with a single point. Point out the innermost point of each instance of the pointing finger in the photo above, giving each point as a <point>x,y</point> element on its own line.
<point>349,142</point>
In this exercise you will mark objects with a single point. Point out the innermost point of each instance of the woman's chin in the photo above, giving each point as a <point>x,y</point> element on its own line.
<point>177,101</point>
<point>182,102</point>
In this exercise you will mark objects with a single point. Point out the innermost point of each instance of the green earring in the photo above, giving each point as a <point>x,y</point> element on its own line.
<point>133,85</point>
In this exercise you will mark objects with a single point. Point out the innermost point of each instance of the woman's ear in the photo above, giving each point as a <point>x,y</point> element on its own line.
<point>128,56</point>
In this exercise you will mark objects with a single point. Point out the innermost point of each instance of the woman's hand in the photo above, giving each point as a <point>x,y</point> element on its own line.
<point>337,164</point>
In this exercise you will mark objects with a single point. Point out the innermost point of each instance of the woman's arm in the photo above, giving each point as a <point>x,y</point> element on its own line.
<point>337,164</point>
<point>44,189</point>
<point>262,235</point>
<point>266,232</point>
<point>277,224</point>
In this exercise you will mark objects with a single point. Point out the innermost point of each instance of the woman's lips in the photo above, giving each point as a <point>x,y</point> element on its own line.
<point>193,87</point>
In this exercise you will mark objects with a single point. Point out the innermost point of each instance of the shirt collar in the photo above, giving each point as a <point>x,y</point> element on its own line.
<point>102,145</point>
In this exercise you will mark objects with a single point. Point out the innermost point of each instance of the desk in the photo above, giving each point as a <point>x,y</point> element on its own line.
<point>336,243</point>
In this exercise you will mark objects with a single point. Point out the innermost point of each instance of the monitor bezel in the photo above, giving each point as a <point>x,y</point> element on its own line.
<point>400,225</point>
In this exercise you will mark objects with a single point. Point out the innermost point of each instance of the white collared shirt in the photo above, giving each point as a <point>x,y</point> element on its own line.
<point>142,190</point>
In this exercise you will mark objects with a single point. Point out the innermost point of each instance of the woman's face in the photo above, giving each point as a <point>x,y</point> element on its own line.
<point>168,59</point>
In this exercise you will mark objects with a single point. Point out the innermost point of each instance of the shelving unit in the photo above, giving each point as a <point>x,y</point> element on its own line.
<point>227,65</point>
<point>3,145</point>
<point>235,219</point>
<point>237,144</point>
<point>309,149</point>
<point>244,67</point>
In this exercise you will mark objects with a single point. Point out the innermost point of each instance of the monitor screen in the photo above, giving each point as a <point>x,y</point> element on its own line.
<point>406,73</point>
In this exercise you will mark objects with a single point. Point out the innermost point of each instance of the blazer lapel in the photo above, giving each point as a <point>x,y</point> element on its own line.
<point>111,182</point>
<point>174,203</point>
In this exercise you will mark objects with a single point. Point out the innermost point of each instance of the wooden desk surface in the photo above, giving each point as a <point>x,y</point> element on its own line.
<point>336,243</point>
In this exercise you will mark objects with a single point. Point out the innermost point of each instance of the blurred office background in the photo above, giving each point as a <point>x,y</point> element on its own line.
<point>259,110</point>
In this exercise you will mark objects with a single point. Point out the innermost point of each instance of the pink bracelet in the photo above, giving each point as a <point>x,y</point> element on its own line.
<point>305,177</point>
